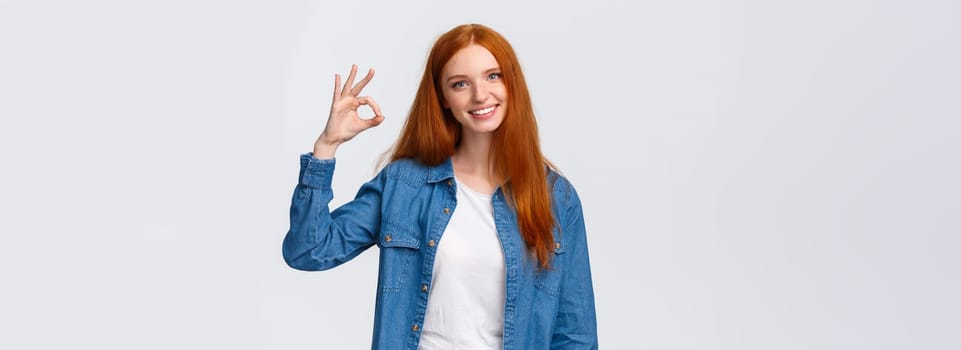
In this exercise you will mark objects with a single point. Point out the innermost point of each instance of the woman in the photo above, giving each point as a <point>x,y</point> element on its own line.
<point>482,245</point>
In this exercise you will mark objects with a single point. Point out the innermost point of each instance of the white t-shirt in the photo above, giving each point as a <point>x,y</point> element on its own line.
<point>465,309</point>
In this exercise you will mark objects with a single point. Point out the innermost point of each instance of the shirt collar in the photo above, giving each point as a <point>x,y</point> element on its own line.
<point>440,172</point>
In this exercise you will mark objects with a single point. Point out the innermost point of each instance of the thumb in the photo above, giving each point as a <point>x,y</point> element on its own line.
<point>372,122</point>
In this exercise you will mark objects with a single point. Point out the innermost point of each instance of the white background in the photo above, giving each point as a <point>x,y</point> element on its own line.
<point>755,174</point>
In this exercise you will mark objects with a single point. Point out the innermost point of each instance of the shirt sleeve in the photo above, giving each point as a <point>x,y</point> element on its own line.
<point>576,324</point>
<point>319,239</point>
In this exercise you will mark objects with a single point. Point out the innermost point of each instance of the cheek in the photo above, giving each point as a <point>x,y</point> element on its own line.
<point>455,101</point>
<point>501,93</point>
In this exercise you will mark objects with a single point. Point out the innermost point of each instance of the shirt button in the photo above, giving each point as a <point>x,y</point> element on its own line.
<point>415,328</point>
<point>557,246</point>
<point>449,183</point>
<point>423,288</point>
<point>446,210</point>
<point>431,243</point>
<point>387,238</point>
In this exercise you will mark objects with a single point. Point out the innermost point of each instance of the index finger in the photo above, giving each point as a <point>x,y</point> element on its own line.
<point>367,100</point>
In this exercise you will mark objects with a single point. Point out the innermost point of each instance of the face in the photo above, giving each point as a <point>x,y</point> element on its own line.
<point>474,91</point>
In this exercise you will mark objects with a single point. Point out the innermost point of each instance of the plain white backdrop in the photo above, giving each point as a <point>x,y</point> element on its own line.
<point>755,175</point>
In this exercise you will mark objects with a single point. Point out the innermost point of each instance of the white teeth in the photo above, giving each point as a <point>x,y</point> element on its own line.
<point>483,111</point>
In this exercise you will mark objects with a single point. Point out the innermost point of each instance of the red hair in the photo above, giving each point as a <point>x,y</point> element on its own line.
<point>431,134</point>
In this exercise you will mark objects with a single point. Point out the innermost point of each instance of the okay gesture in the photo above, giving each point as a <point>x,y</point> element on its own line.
<point>344,123</point>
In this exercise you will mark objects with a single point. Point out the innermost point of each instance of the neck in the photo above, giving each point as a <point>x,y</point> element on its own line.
<point>472,157</point>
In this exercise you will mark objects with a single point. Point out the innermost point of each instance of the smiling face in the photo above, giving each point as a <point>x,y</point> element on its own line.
<point>474,91</point>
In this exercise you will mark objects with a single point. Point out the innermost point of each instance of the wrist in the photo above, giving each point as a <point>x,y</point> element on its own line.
<point>324,148</point>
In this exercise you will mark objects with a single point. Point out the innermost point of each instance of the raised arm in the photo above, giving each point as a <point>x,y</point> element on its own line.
<point>319,239</point>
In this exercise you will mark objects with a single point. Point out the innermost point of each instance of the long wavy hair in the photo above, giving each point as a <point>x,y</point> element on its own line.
<point>431,134</point>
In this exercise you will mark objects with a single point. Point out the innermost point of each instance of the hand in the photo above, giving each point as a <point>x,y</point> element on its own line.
<point>344,123</point>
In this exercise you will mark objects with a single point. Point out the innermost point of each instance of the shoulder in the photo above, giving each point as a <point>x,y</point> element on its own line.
<point>406,170</point>
<point>559,184</point>
<point>563,193</point>
<point>404,165</point>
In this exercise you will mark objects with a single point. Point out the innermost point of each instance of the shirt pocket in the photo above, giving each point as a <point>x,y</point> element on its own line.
<point>399,252</point>
<point>548,280</point>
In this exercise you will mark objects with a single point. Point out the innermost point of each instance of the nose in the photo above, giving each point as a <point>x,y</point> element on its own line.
<point>479,92</point>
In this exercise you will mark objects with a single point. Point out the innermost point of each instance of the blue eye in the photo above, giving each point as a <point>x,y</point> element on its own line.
<point>494,76</point>
<point>459,84</point>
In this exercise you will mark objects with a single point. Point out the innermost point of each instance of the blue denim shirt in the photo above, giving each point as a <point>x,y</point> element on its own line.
<point>404,211</point>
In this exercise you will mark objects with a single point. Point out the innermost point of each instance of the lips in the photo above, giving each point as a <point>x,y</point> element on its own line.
<point>484,112</point>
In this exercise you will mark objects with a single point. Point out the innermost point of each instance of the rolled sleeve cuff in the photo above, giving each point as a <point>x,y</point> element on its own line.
<point>316,173</point>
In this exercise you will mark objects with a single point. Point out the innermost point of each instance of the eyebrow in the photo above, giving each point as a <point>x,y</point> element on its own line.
<point>488,71</point>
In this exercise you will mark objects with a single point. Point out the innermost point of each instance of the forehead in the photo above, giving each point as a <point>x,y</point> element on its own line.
<point>473,59</point>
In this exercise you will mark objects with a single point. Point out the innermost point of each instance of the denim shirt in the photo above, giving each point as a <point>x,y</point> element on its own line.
<point>404,210</point>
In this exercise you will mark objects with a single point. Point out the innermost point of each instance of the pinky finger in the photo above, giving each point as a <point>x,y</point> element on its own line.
<point>336,86</point>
